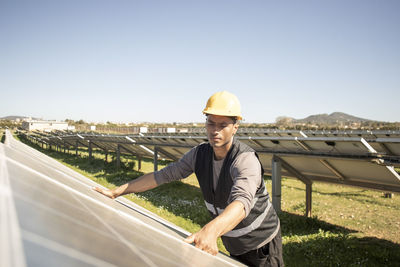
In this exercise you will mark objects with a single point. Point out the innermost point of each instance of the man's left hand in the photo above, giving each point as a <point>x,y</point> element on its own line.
<point>204,240</point>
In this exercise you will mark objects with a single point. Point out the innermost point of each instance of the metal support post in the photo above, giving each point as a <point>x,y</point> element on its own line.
<point>106,156</point>
<point>76,148</point>
<point>90,150</point>
<point>118,157</point>
<point>276,183</point>
<point>307,181</point>
<point>308,199</point>
<point>139,163</point>
<point>155,159</point>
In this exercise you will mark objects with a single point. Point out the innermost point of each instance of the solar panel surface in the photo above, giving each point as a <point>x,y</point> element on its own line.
<point>52,217</point>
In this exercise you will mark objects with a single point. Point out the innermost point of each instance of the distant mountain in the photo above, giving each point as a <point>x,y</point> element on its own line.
<point>13,118</point>
<point>335,117</point>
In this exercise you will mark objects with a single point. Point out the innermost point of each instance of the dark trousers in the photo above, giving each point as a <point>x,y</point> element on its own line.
<point>268,255</point>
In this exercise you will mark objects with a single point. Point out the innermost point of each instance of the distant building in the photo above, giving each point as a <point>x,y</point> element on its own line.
<point>171,130</point>
<point>183,130</point>
<point>45,126</point>
<point>165,130</point>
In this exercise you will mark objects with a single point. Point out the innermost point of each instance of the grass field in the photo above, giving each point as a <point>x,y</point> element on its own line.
<point>349,227</point>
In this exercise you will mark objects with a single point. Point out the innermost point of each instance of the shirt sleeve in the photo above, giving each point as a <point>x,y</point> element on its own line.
<point>177,170</point>
<point>246,173</point>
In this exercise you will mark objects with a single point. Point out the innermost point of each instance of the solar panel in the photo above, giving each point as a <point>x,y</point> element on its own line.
<point>270,133</point>
<point>349,145</point>
<point>354,172</point>
<point>52,217</point>
<point>389,146</point>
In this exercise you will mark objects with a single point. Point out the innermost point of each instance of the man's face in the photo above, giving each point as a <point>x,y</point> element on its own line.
<point>220,130</point>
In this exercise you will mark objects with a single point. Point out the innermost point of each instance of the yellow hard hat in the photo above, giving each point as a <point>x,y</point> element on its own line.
<point>223,104</point>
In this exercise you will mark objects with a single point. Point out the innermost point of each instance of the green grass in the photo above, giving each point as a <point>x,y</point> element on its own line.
<point>349,226</point>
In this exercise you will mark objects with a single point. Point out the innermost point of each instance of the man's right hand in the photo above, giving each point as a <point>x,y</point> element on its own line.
<point>107,192</point>
<point>140,184</point>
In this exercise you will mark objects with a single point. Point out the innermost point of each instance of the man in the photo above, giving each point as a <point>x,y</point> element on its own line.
<point>230,178</point>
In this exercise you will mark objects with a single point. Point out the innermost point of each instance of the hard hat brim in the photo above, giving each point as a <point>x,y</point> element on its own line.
<point>221,113</point>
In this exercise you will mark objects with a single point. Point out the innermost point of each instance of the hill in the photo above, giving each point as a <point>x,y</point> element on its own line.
<point>335,117</point>
<point>13,118</point>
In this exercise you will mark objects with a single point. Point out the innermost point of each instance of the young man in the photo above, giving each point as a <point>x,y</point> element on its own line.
<point>230,178</point>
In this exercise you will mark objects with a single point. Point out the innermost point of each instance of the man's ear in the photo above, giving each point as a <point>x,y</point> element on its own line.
<point>235,127</point>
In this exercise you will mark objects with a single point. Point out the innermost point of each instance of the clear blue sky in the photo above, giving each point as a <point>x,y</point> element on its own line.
<point>159,61</point>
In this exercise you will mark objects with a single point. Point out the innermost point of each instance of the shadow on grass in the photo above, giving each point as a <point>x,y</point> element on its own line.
<point>327,249</point>
<point>357,195</point>
<point>311,242</point>
<point>294,224</point>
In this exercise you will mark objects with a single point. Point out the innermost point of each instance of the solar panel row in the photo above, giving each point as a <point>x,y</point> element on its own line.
<point>242,131</point>
<point>346,160</point>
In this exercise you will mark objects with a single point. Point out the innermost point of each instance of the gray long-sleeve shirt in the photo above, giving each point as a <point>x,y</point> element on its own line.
<point>245,170</point>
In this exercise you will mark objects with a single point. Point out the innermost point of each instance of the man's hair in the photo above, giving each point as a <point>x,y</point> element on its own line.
<point>233,118</point>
